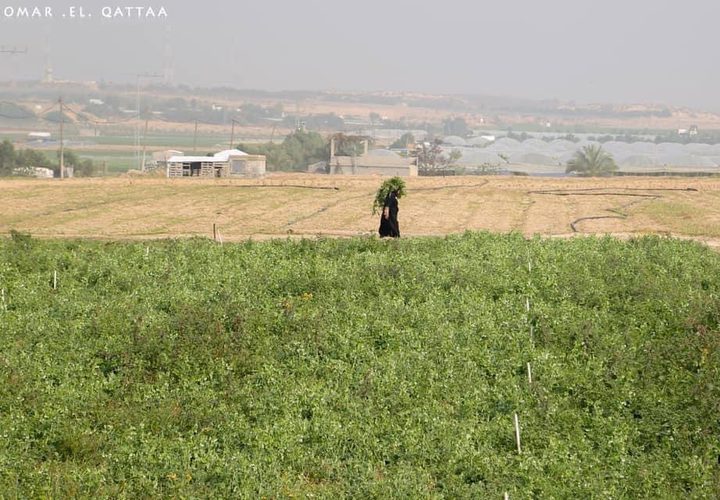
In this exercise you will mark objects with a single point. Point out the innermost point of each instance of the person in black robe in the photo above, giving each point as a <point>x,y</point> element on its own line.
<point>389,225</point>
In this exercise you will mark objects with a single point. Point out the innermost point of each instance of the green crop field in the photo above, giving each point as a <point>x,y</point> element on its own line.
<point>154,141</point>
<point>114,161</point>
<point>360,368</point>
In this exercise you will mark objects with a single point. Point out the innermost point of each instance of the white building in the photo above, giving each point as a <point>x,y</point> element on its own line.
<point>228,163</point>
<point>39,136</point>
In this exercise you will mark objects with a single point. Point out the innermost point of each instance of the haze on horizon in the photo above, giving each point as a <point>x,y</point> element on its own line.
<point>656,51</point>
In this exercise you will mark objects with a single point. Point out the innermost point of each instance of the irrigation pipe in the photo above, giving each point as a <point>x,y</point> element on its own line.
<point>454,186</point>
<point>602,192</point>
<point>327,188</point>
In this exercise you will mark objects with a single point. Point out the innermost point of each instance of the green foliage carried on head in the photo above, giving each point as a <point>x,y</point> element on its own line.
<point>388,186</point>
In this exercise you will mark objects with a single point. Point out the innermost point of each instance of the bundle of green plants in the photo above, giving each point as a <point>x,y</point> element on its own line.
<point>388,186</point>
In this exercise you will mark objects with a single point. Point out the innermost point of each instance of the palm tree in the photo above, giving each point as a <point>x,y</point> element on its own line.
<point>592,161</point>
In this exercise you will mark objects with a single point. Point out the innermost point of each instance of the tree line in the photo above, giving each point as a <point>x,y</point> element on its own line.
<point>20,161</point>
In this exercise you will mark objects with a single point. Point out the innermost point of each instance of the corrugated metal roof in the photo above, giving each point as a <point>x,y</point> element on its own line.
<point>224,155</point>
<point>220,157</point>
<point>194,159</point>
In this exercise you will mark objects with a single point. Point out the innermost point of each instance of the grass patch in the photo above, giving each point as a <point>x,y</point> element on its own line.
<point>683,218</point>
<point>663,209</point>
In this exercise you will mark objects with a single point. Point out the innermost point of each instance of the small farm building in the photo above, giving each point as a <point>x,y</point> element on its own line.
<point>229,163</point>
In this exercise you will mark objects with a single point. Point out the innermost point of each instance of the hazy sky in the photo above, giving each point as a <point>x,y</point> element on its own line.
<point>591,51</point>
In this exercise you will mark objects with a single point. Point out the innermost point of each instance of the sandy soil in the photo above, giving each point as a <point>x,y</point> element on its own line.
<point>303,205</point>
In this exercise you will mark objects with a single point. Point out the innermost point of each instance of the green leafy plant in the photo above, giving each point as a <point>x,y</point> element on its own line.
<point>351,368</point>
<point>388,186</point>
<point>591,161</point>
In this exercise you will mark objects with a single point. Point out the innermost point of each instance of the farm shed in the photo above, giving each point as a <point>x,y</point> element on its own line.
<point>228,163</point>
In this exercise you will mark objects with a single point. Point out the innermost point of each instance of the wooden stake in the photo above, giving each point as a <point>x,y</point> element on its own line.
<point>214,232</point>
<point>527,304</point>
<point>529,371</point>
<point>54,280</point>
<point>506,497</point>
<point>517,434</point>
<point>2,295</point>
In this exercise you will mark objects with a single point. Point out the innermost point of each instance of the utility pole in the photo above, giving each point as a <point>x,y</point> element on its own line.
<point>138,76</point>
<point>232,133</point>
<point>137,120</point>
<point>62,141</point>
<point>144,145</point>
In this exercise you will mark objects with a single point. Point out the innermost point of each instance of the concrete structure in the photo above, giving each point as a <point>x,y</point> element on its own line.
<point>229,163</point>
<point>379,161</point>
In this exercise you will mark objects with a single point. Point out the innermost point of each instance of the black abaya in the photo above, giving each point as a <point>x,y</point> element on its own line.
<point>390,226</point>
